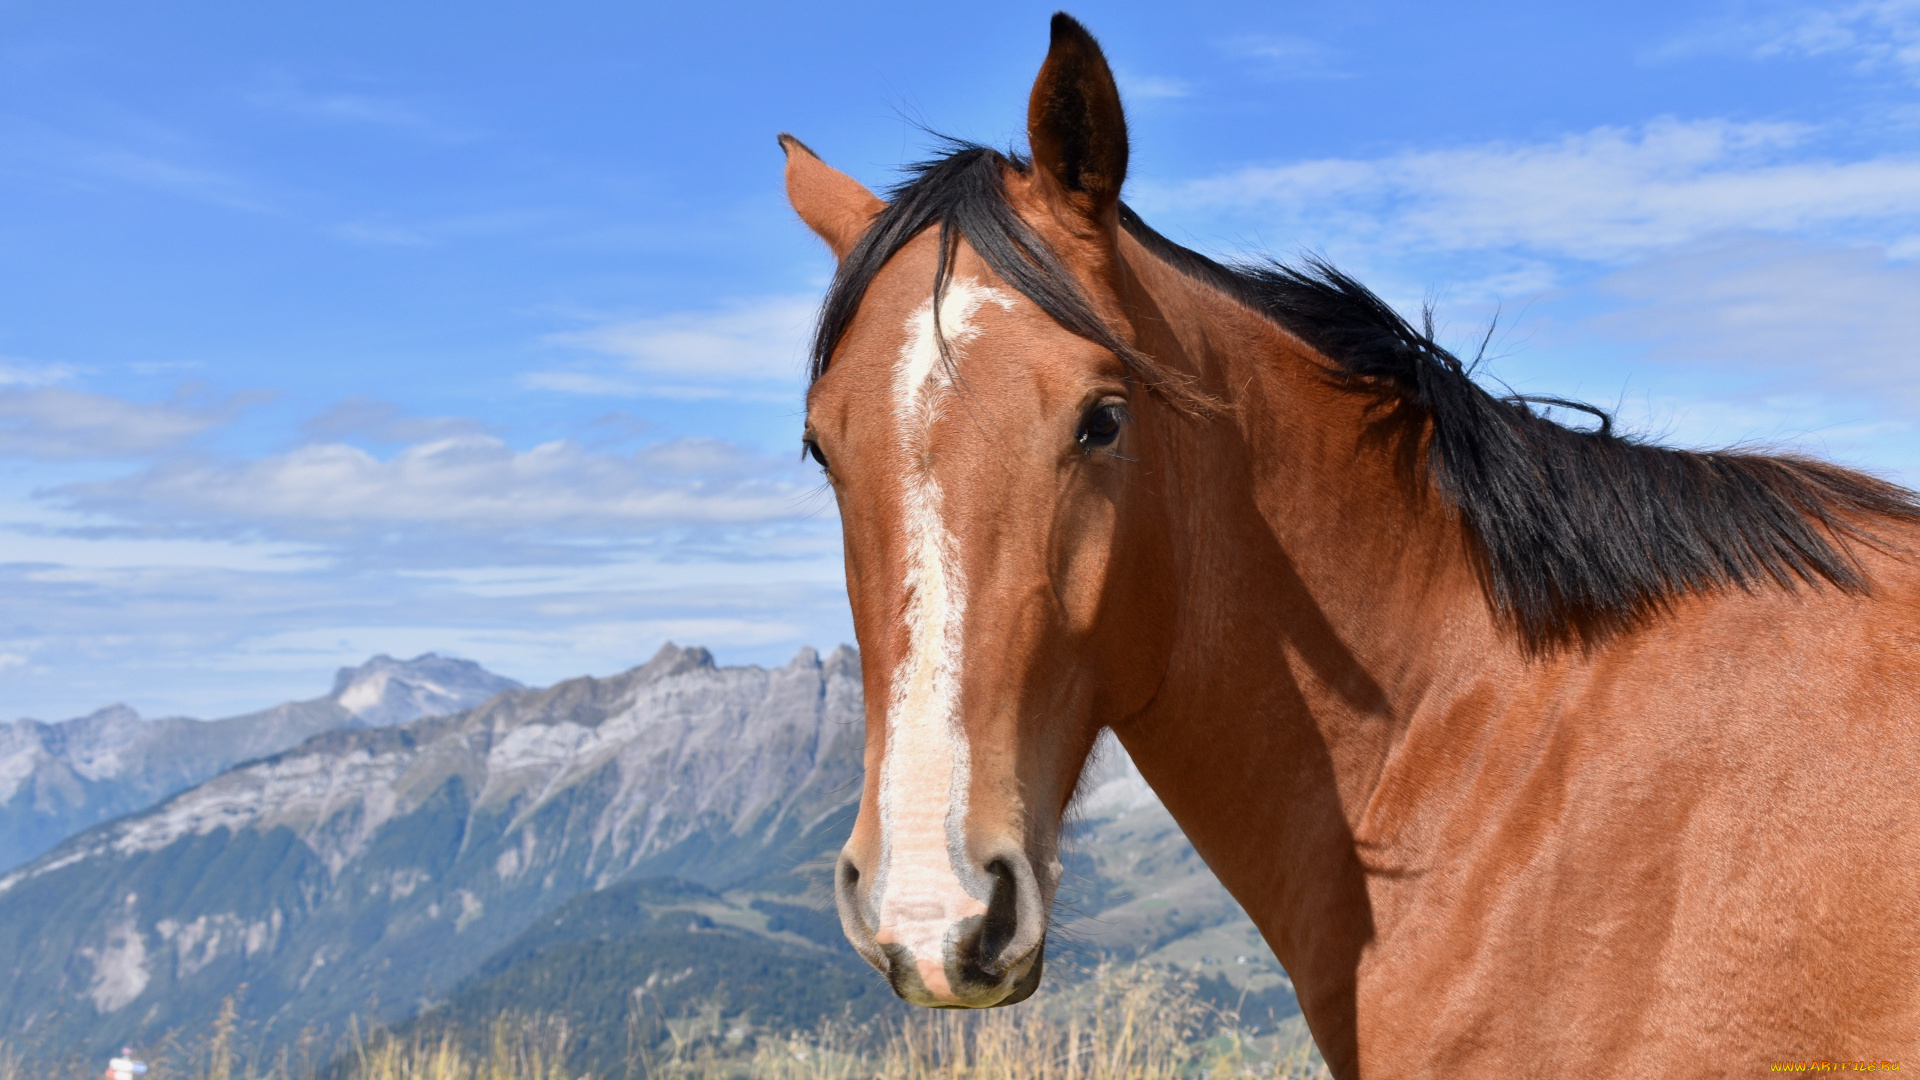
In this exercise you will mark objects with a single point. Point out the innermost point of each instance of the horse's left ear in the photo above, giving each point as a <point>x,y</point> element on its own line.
<point>1074,121</point>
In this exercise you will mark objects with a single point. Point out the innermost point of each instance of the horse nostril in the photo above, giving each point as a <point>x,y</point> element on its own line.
<point>846,894</point>
<point>853,910</point>
<point>1002,921</point>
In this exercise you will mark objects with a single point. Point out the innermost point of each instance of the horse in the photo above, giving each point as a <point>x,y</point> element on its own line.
<point>1530,748</point>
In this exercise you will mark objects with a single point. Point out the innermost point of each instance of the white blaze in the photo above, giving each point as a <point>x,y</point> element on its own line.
<point>921,894</point>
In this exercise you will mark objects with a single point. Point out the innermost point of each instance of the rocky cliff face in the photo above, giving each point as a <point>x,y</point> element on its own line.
<point>368,870</point>
<point>57,779</point>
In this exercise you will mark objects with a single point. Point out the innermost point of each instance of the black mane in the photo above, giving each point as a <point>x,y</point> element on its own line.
<point>1581,533</point>
<point>964,195</point>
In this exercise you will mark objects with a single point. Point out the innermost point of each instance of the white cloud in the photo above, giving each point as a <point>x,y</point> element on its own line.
<point>1285,56</point>
<point>1809,423</point>
<point>54,552</point>
<point>134,152</point>
<point>601,384</point>
<point>150,636</point>
<point>589,384</point>
<point>383,421</point>
<point>763,340</point>
<point>471,484</point>
<point>1135,87</point>
<point>56,423</point>
<point>21,373</point>
<point>147,169</point>
<point>1608,194</point>
<point>282,93</point>
<point>1874,34</point>
<point>1782,314</point>
<point>428,231</point>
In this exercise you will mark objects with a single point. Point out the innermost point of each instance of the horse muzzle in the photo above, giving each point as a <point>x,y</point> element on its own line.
<point>937,942</point>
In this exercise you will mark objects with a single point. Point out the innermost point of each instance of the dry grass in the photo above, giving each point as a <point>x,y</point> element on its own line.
<point>517,1048</point>
<point>1131,1023</point>
<point>1126,1023</point>
<point>1123,1023</point>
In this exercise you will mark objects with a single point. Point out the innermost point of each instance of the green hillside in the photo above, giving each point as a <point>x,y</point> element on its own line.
<point>661,958</point>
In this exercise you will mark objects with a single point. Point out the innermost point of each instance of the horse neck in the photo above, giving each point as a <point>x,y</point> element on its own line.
<point>1325,597</point>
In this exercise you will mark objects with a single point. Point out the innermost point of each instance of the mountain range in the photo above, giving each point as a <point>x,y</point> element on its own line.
<point>658,842</point>
<point>56,779</point>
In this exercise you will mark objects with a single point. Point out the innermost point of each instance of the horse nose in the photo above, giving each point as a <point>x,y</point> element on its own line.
<point>944,946</point>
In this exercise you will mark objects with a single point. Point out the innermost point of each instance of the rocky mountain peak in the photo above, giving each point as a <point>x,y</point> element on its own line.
<point>673,660</point>
<point>386,691</point>
<point>844,660</point>
<point>97,742</point>
<point>56,779</point>
<point>109,715</point>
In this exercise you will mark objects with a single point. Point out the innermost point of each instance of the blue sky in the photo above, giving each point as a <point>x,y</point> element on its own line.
<point>374,327</point>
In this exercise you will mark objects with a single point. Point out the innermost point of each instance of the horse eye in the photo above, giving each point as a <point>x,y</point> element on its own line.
<point>812,450</point>
<point>1100,428</point>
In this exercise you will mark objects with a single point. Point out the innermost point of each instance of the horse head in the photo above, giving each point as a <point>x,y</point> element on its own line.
<point>990,430</point>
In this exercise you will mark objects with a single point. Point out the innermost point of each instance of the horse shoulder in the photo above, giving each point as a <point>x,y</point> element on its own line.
<point>1692,837</point>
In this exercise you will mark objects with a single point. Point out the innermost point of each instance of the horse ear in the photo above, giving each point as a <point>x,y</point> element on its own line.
<point>834,205</point>
<point>1075,125</point>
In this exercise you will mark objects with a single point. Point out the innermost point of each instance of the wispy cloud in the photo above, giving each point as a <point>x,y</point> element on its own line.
<point>384,422</point>
<point>429,231</point>
<point>544,563</point>
<point>1137,87</point>
<point>1606,194</point>
<point>626,385</point>
<point>762,339</point>
<point>1782,314</point>
<point>1284,56</point>
<point>54,423</point>
<point>284,94</point>
<point>151,170</point>
<point>151,634</point>
<point>1872,34</point>
<point>470,485</point>
<point>753,349</point>
<point>142,156</point>
<point>25,373</point>
<point>592,384</point>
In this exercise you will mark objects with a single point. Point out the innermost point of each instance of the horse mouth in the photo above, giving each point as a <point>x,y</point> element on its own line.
<point>961,983</point>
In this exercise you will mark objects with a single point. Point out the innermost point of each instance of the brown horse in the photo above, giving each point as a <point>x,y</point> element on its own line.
<point>1532,750</point>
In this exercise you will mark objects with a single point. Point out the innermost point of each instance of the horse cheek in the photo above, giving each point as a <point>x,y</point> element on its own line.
<point>1081,566</point>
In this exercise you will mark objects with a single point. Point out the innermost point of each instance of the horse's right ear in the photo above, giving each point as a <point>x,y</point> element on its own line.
<point>834,205</point>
